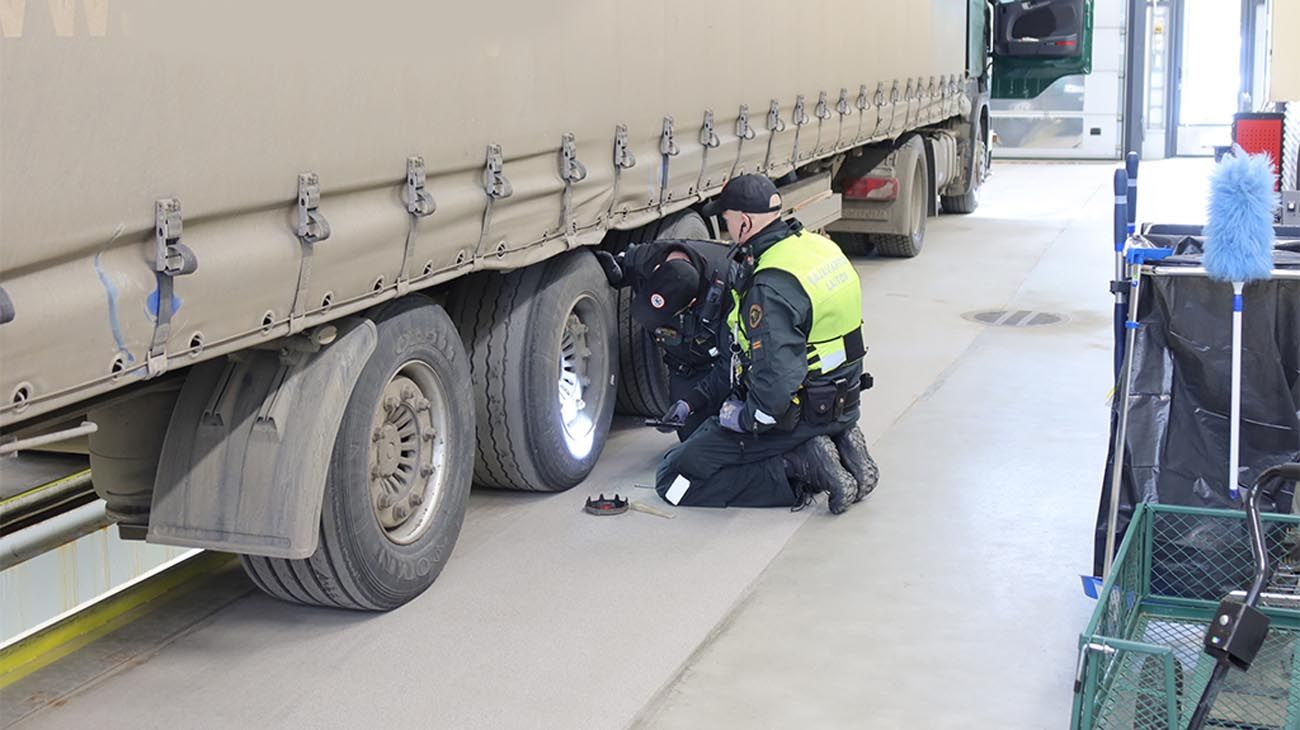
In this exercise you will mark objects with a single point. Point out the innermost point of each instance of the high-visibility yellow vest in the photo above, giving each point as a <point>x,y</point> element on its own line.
<point>831,284</point>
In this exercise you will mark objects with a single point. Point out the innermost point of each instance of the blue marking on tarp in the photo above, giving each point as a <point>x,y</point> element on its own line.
<point>110,293</point>
<point>151,304</point>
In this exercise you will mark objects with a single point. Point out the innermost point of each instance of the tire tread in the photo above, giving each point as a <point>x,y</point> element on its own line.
<point>265,577</point>
<point>894,245</point>
<point>488,336</point>
<point>959,204</point>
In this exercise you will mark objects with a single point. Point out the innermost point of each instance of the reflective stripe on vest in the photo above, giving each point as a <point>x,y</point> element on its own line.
<point>832,285</point>
<point>738,335</point>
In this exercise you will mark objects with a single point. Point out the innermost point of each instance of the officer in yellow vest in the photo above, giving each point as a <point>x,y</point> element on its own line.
<point>787,429</point>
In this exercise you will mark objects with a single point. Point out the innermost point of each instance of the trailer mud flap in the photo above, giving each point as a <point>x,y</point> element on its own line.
<point>244,463</point>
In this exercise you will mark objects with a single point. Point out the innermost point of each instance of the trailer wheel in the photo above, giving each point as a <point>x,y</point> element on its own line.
<point>399,474</point>
<point>908,245</point>
<point>643,377</point>
<point>543,350</point>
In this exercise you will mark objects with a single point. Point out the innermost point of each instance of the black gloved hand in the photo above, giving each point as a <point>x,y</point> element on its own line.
<point>612,266</point>
<point>675,418</point>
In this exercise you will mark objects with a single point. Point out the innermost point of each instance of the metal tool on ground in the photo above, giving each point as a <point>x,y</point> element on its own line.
<point>647,509</point>
<point>602,507</point>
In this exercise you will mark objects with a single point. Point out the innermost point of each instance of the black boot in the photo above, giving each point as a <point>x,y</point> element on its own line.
<point>852,446</point>
<point>815,467</point>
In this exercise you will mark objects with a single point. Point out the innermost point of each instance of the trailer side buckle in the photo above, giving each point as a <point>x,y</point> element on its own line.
<point>171,259</point>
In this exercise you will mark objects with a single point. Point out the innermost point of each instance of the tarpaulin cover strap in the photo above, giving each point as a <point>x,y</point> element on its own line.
<point>1176,447</point>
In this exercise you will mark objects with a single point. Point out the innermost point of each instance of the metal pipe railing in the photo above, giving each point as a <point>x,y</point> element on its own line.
<point>57,531</point>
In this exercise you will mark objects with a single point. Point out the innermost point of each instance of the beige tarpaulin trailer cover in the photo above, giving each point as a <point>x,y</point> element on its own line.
<point>540,126</point>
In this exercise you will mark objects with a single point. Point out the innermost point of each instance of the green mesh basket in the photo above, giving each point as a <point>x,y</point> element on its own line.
<point>1141,663</point>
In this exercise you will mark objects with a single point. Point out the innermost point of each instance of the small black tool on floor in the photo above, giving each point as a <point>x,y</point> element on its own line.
<point>615,505</point>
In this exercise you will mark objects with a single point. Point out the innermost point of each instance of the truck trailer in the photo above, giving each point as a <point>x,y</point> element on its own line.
<point>301,272</point>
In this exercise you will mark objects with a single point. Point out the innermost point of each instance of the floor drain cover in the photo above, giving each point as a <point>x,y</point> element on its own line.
<point>1015,318</point>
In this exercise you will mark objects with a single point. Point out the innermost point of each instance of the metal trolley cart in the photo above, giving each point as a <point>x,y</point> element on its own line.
<point>1158,632</point>
<point>1192,591</point>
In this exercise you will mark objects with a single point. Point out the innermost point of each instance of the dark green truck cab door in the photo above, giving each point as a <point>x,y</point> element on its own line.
<point>1036,42</point>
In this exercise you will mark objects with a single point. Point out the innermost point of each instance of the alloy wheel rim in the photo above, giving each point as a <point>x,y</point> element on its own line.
<point>408,450</point>
<point>577,366</point>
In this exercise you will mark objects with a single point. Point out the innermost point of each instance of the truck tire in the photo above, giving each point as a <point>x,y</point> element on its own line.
<point>643,377</point>
<point>908,245</point>
<point>539,431</point>
<point>853,244</point>
<point>399,474</point>
<point>970,200</point>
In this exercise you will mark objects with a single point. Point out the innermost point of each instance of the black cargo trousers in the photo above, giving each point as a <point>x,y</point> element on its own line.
<point>717,467</point>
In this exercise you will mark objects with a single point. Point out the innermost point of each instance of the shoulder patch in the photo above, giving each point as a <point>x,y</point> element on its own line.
<point>755,315</point>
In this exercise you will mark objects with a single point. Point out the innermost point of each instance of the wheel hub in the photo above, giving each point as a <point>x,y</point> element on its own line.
<point>402,451</point>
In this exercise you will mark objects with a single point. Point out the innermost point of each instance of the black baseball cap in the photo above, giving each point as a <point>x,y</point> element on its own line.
<point>746,194</point>
<point>668,290</point>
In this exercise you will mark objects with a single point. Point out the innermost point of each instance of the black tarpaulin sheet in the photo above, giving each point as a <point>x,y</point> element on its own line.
<point>1176,448</point>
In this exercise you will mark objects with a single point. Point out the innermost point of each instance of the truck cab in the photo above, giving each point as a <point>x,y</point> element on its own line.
<point>1015,49</point>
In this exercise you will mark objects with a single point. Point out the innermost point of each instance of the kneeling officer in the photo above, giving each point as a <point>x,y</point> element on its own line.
<point>786,429</point>
<point>681,296</point>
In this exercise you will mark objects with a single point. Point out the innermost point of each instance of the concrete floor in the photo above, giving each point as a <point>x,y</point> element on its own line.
<point>949,599</point>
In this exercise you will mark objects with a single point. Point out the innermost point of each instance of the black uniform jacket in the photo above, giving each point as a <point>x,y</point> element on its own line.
<point>700,346</point>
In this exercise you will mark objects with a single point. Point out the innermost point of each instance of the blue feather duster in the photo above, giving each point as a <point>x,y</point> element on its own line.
<point>1239,235</point>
